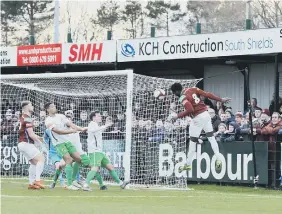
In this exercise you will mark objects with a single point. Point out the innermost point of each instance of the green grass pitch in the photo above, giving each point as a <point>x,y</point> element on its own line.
<point>203,199</point>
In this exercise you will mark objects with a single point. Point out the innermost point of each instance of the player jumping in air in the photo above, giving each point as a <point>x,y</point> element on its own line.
<point>97,157</point>
<point>26,146</point>
<point>61,139</point>
<point>201,120</point>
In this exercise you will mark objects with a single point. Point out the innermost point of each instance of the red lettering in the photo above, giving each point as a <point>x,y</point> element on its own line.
<point>97,51</point>
<point>84,54</point>
<point>73,53</point>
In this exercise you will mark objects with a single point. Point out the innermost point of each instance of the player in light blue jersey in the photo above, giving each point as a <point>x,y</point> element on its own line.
<point>55,158</point>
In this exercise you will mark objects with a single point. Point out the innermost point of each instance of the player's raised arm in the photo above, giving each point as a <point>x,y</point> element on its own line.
<point>212,96</point>
<point>75,127</point>
<point>59,131</point>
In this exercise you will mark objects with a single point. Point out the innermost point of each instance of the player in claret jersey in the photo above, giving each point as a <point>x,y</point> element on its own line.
<point>201,120</point>
<point>26,146</point>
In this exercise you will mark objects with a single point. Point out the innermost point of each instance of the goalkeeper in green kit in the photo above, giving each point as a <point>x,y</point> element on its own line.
<point>97,157</point>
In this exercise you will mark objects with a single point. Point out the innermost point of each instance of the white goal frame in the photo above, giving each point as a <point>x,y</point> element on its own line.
<point>128,73</point>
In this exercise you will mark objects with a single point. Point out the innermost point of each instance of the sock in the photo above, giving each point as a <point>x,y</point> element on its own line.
<point>90,176</point>
<point>99,179</point>
<point>31,173</point>
<point>115,176</point>
<point>78,177</point>
<point>56,176</point>
<point>75,170</point>
<point>69,171</point>
<point>191,152</point>
<point>214,146</point>
<point>39,170</point>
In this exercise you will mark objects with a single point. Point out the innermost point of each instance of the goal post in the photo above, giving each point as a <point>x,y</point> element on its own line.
<point>142,145</point>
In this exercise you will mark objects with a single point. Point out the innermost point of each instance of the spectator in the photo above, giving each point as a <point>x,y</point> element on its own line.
<point>258,113</point>
<point>16,124</point>
<point>70,114</point>
<point>242,123</point>
<point>7,126</point>
<point>121,121</point>
<point>231,134</point>
<point>74,110</point>
<point>42,116</point>
<point>239,118</point>
<point>229,116</point>
<point>223,118</point>
<point>221,131</point>
<point>38,128</point>
<point>272,106</point>
<point>254,106</point>
<point>168,128</point>
<point>264,121</point>
<point>5,106</point>
<point>272,128</point>
<point>157,133</point>
<point>83,122</point>
<point>115,128</point>
<point>220,108</point>
<point>17,114</point>
<point>215,119</point>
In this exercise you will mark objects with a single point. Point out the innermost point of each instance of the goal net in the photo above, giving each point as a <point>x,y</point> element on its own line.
<point>142,145</point>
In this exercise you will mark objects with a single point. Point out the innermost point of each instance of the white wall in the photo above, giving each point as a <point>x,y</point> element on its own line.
<point>262,83</point>
<point>226,84</point>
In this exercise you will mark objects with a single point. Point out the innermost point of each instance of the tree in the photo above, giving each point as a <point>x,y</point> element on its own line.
<point>160,10</point>
<point>200,12</point>
<point>228,16</point>
<point>267,13</point>
<point>132,14</point>
<point>108,15</point>
<point>7,18</point>
<point>34,15</point>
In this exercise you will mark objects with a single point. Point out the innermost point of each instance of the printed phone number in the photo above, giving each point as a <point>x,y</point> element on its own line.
<point>39,59</point>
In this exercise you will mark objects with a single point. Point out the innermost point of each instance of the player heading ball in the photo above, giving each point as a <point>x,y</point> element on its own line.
<point>201,120</point>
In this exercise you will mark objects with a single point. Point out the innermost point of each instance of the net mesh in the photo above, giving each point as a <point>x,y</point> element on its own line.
<point>151,164</point>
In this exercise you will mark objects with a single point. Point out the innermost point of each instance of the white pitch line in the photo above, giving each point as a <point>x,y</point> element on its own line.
<point>212,194</point>
<point>139,196</point>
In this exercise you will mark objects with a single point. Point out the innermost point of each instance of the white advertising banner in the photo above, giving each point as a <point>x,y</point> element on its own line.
<point>249,42</point>
<point>95,52</point>
<point>8,56</point>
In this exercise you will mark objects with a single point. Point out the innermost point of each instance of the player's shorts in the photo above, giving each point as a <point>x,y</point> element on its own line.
<point>201,122</point>
<point>98,159</point>
<point>64,148</point>
<point>28,150</point>
<point>55,158</point>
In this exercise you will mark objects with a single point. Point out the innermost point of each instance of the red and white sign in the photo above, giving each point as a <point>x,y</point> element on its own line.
<point>89,53</point>
<point>50,54</point>
<point>8,56</point>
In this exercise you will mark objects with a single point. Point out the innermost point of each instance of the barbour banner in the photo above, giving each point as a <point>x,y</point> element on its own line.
<point>237,163</point>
